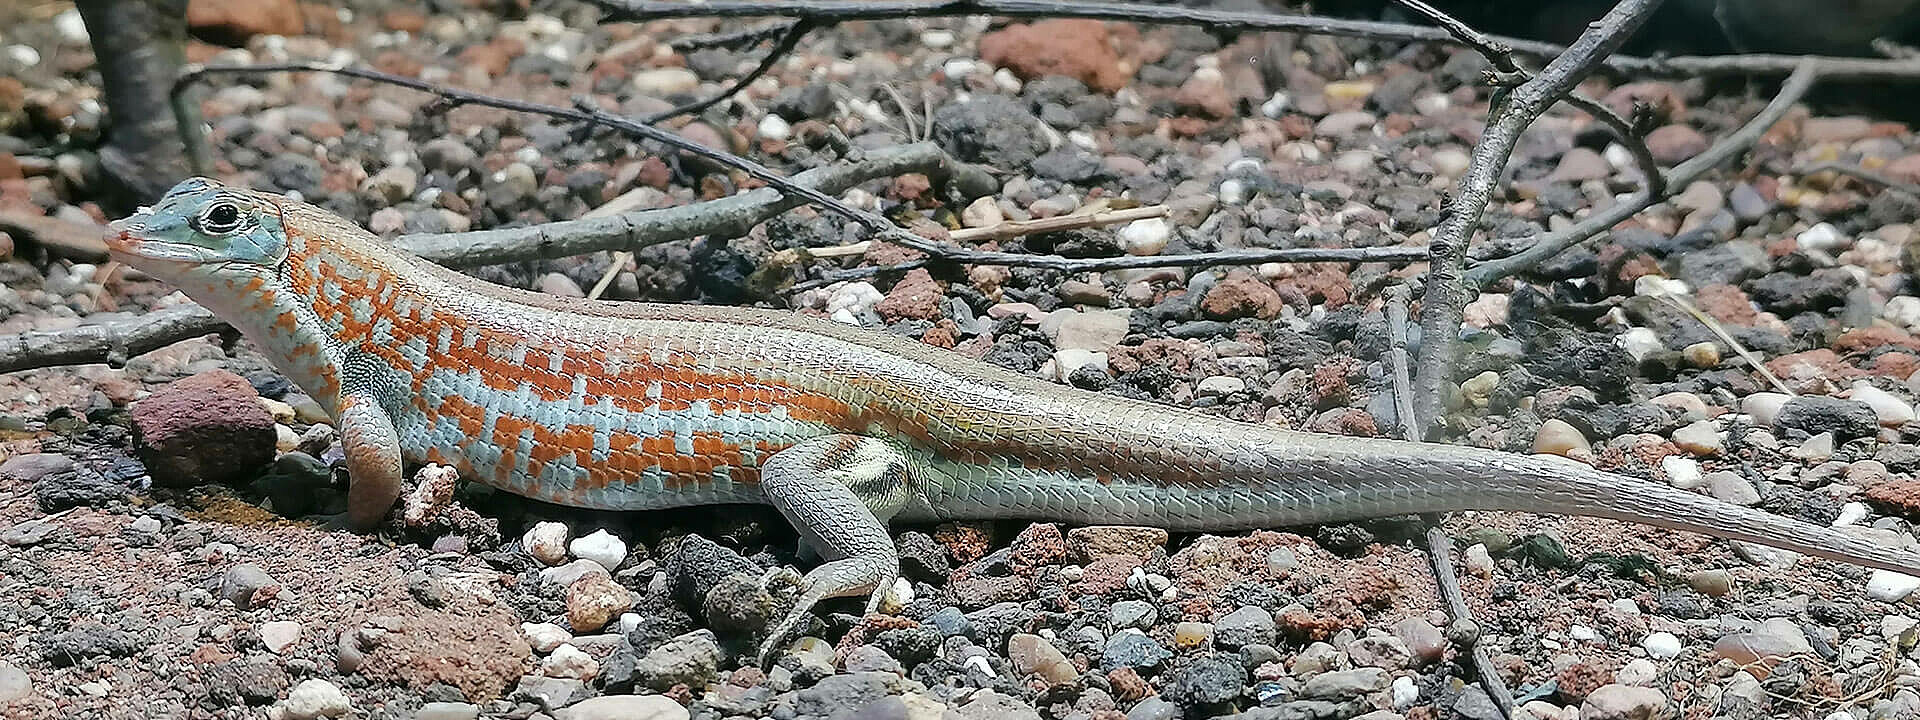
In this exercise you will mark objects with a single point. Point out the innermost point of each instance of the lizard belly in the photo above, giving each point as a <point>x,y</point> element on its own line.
<point>624,452</point>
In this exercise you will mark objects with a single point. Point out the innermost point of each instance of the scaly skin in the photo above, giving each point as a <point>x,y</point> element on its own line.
<point>637,406</point>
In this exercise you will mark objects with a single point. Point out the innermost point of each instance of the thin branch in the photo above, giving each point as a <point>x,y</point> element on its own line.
<point>1440,551</point>
<point>111,342</point>
<point>1498,53</point>
<point>1445,298</point>
<point>1397,298</point>
<point>1859,173</point>
<point>1552,244</point>
<point>1629,136</point>
<point>729,38</point>
<point>1057,223</point>
<point>795,31</point>
<point>1228,20</point>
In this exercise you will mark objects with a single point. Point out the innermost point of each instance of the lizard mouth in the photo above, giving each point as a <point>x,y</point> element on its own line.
<point>126,243</point>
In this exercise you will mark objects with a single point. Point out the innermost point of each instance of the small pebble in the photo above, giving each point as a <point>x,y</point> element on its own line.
<point>774,127</point>
<point>1682,472</point>
<point>546,542</point>
<point>544,637</point>
<point>1892,411</point>
<point>1702,355</point>
<point>1764,407</point>
<point>1850,514</point>
<point>1699,438</point>
<point>315,698</point>
<point>1556,437</point>
<point>1661,645</point>
<point>601,547</point>
<point>278,635</point>
<point>1891,587</point>
<point>1145,237</point>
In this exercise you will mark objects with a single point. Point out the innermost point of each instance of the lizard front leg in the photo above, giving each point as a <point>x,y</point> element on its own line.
<point>374,468</point>
<point>838,491</point>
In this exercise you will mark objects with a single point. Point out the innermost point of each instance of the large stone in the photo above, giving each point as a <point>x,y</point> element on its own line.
<point>209,427</point>
<point>1075,48</point>
<point>234,21</point>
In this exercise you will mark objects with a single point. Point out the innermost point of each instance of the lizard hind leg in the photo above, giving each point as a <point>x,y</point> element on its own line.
<point>838,491</point>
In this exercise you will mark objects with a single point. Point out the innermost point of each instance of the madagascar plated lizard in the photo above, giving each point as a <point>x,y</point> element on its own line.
<point>631,406</point>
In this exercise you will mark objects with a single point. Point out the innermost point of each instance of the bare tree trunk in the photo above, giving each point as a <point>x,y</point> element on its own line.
<point>140,46</point>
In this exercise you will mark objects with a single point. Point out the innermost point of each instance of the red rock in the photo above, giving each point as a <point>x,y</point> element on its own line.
<point>1241,294</point>
<point>1076,48</point>
<point>1098,542</point>
<point>234,21</point>
<point>917,296</point>
<point>911,188</point>
<point>10,166</point>
<point>1728,304</point>
<point>1206,94</point>
<point>1106,575</point>
<point>1672,144</point>
<point>1038,546</point>
<point>1906,168</point>
<point>1660,97</point>
<point>205,428</point>
<point>1839,129</point>
<point>965,541</point>
<point>1868,338</point>
<point>404,20</point>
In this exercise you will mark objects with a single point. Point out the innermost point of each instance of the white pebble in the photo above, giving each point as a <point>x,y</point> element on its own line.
<point>602,547</point>
<point>1619,157</point>
<point>1764,407</point>
<point>1653,285</point>
<point>937,39</point>
<point>958,68</point>
<point>1478,560</point>
<point>1145,237</point>
<point>1888,586</point>
<point>278,635</point>
<point>1661,645</point>
<point>1005,80</point>
<point>856,298</point>
<point>1582,633</point>
<point>1233,192</point>
<point>544,637</point>
<point>1638,671</point>
<point>1902,310</point>
<point>1822,237</point>
<point>897,598</point>
<point>1638,342</point>
<point>1275,106</point>
<point>1405,692</point>
<point>23,55</point>
<point>1892,411</point>
<point>629,622</point>
<point>774,127</point>
<point>1682,472</point>
<point>315,698</point>
<point>568,661</point>
<point>72,27</point>
<point>1850,513</point>
<point>546,542</point>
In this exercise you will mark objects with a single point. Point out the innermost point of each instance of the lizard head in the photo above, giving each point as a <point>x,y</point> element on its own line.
<point>203,234</point>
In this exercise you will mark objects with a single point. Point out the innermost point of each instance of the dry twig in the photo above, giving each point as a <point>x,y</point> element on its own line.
<point>1446,296</point>
<point>1243,21</point>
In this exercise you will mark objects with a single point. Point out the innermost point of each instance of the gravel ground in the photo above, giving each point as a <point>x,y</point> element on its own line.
<point>153,566</point>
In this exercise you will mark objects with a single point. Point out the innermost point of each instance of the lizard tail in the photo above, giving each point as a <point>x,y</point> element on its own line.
<point>1550,484</point>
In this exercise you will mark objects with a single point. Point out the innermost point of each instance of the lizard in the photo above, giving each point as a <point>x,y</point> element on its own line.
<point>634,406</point>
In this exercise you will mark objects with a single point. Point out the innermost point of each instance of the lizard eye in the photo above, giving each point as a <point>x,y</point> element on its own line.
<point>220,218</point>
